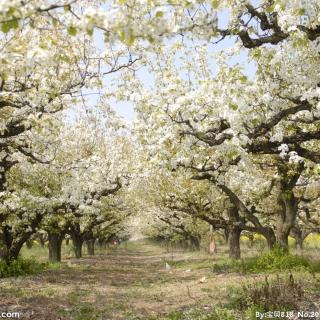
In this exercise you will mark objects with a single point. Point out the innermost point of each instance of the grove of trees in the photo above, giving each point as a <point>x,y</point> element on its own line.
<point>227,128</point>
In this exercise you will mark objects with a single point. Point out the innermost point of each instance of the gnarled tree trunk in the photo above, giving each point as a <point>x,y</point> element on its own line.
<point>299,236</point>
<point>226,235</point>
<point>42,239</point>
<point>269,235</point>
<point>77,245</point>
<point>234,233</point>
<point>212,244</point>
<point>90,247</point>
<point>29,243</point>
<point>102,244</point>
<point>271,240</point>
<point>234,242</point>
<point>55,242</point>
<point>286,218</point>
<point>195,243</point>
<point>12,243</point>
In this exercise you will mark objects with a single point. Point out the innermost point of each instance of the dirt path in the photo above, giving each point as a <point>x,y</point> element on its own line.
<point>128,283</point>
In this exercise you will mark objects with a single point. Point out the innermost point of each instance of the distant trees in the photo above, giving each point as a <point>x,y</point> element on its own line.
<point>73,194</point>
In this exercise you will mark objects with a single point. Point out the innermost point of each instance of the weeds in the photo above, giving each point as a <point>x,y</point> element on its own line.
<point>272,261</point>
<point>21,267</point>
<point>197,314</point>
<point>278,294</point>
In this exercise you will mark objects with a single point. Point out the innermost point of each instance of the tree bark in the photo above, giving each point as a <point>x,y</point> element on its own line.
<point>269,235</point>
<point>212,244</point>
<point>287,203</point>
<point>77,245</point>
<point>226,235</point>
<point>102,244</point>
<point>195,243</point>
<point>42,240</point>
<point>234,242</point>
<point>90,247</point>
<point>286,218</point>
<point>29,243</point>
<point>55,242</point>
<point>250,239</point>
<point>13,252</point>
<point>271,240</point>
<point>299,237</point>
<point>234,233</point>
<point>12,246</point>
<point>282,238</point>
<point>299,246</point>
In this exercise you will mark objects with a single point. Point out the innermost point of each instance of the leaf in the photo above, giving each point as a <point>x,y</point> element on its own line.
<point>89,32</point>
<point>130,40</point>
<point>159,14</point>
<point>270,9</point>
<point>65,58</point>
<point>233,106</point>
<point>5,27</point>
<point>8,25</point>
<point>215,4</point>
<point>72,30</point>
<point>11,11</point>
<point>122,36</point>
<point>301,11</point>
<point>243,79</point>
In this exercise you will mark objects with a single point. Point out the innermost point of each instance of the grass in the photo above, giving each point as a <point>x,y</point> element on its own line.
<point>197,314</point>
<point>21,267</point>
<point>131,282</point>
<point>273,261</point>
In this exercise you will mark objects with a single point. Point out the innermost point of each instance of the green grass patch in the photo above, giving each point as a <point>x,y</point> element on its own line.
<point>196,314</point>
<point>272,261</point>
<point>27,266</point>
<point>21,267</point>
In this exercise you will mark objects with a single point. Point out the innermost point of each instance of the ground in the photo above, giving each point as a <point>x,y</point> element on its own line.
<point>133,281</point>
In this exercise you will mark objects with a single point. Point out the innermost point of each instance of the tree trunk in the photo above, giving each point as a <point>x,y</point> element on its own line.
<point>286,217</point>
<point>250,237</point>
<point>299,237</point>
<point>12,252</point>
<point>29,243</point>
<point>271,241</point>
<point>212,244</point>
<point>226,235</point>
<point>234,242</point>
<point>282,235</point>
<point>299,246</point>
<point>195,243</point>
<point>55,242</point>
<point>42,240</point>
<point>269,235</point>
<point>90,247</point>
<point>14,241</point>
<point>11,248</point>
<point>102,244</point>
<point>234,233</point>
<point>77,246</point>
